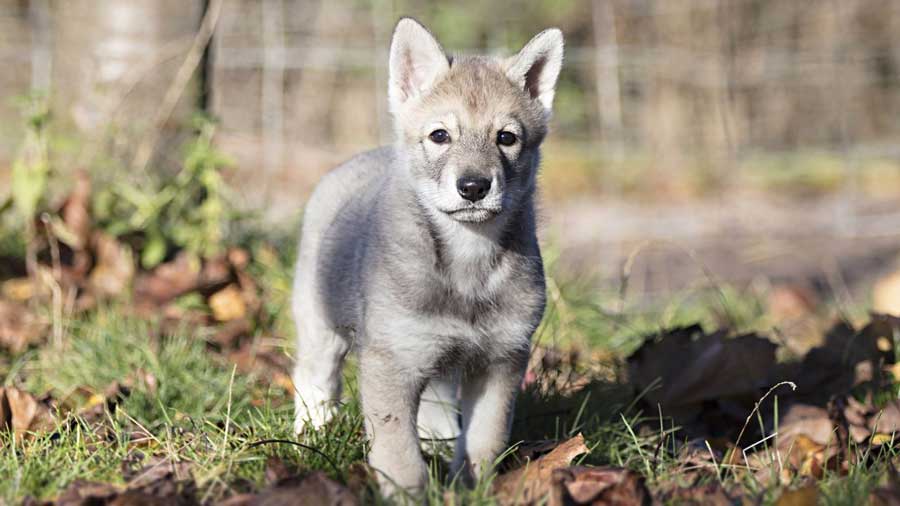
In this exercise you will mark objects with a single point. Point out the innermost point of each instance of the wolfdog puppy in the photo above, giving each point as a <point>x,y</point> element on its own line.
<point>423,257</point>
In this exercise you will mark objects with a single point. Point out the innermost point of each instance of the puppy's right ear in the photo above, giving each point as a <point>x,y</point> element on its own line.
<point>417,62</point>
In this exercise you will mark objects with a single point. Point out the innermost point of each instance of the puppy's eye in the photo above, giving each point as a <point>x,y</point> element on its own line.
<point>505,138</point>
<point>439,136</point>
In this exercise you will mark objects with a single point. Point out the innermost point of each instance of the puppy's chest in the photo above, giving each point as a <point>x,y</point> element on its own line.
<point>484,295</point>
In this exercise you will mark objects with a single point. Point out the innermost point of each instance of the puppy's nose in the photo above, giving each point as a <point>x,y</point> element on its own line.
<point>473,188</point>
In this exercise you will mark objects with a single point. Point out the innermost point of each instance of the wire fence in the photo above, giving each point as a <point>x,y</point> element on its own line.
<point>723,92</point>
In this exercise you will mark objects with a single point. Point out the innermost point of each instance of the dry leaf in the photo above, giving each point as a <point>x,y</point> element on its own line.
<point>22,413</point>
<point>530,483</point>
<point>802,420</point>
<point>115,266</point>
<point>887,419</point>
<point>888,494</point>
<point>20,289</point>
<point>228,304</point>
<point>804,496</point>
<point>314,490</point>
<point>76,213</point>
<point>710,494</point>
<point>685,372</point>
<point>791,302</point>
<point>598,486</point>
<point>229,335</point>
<point>19,327</point>
<point>169,280</point>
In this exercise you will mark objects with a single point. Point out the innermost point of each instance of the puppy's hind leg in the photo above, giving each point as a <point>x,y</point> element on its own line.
<point>318,365</point>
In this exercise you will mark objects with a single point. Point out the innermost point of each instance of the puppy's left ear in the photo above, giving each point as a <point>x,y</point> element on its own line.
<point>537,66</point>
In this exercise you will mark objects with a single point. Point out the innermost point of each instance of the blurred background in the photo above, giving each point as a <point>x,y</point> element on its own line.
<point>745,141</point>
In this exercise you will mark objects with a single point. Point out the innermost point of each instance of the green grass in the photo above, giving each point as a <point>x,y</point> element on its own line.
<point>228,424</point>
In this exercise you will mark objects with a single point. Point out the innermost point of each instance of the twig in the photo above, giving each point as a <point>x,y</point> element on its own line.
<point>179,83</point>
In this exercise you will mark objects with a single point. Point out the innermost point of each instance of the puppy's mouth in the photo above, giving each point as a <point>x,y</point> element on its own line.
<point>474,214</point>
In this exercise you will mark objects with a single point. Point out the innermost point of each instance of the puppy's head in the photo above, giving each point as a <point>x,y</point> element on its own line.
<point>470,128</point>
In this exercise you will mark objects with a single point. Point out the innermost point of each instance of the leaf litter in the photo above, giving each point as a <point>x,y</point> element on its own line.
<point>706,384</point>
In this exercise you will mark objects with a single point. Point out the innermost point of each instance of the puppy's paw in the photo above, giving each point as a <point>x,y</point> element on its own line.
<point>313,414</point>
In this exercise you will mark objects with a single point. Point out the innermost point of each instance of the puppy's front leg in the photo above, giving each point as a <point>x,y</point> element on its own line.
<point>488,402</point>
<point>390,400</point>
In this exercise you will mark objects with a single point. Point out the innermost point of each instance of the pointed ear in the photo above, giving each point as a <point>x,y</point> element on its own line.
<point>417,61</point>
<point>537,65</point>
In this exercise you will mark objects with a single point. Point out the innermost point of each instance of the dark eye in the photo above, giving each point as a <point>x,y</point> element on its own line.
<point>505,138</point>
<point>439,136</point>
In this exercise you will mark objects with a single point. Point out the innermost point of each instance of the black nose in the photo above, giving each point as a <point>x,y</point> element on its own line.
<point>473,188</point>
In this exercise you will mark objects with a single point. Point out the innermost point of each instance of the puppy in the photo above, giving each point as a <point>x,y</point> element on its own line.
<point>423,257</point>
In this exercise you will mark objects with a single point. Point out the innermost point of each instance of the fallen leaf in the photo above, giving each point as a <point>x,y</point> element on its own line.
<point>22,413</point>
<point>20,289</point>
<point>791,302</point>
<point>75,211</point>
<point>887,419</point>
<point>19,326</point>
<point>229,335</point>
<point>276,470</point>
<point>169,280</point>
<point>684,370</point>
<point>710,494</point>
<point>313,490</point>
<point>114,271</point>
<point>881,439</point>
<point>532,482</point>
<point>228,304</point>
<point>239,258</point>
<point>805,421</point>
<point>86,493</point>
<point>888,494</point>
<point>598,486</point>
<point>804,496</point>
<point>264,360</point>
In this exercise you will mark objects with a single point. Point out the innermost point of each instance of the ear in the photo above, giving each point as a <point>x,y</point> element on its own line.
<point>537,65</point>
<point>417,61</point>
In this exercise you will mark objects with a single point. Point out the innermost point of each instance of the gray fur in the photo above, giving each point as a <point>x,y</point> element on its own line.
<point>437,294</point>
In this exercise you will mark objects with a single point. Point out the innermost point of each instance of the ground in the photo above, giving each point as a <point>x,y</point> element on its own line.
<point>183,397</point>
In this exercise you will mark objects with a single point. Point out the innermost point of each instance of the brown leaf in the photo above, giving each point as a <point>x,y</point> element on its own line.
<point>314,490</point>
<point>21,289</point>
<point>86,493</point>
<point>888,494</point>
<point>114,270</point>
<point>169,280</point>
<point>530,483</point>
<point>811,422</point>
<point>711,494</point>
<point>229,335</point>
<point>693,368</point>
<point>22,413</point>
<point>19,326</point>
<point>804,496</point>
<point>239,258</point>
<point>791,302</point>
<point>598,486</point>
<point>264,360</point>
<point>228,304</point>
<point>886,419</point>
<point>76,212</point>
<point>276,470</point>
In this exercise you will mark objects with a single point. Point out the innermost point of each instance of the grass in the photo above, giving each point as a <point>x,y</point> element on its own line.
<point>199,409</point>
